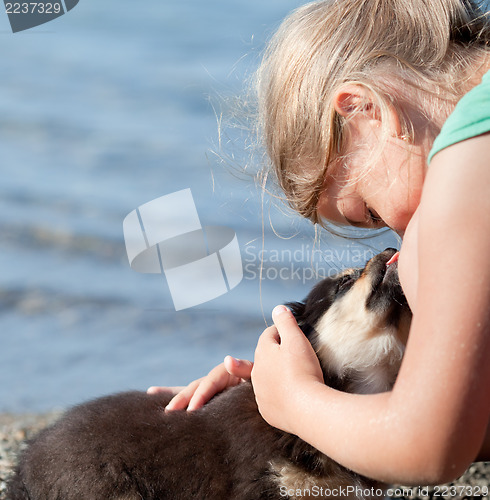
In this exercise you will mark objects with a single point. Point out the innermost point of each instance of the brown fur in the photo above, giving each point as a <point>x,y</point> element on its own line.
<point>126,447</point>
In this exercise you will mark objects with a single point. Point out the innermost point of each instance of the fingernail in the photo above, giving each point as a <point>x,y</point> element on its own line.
<point>278,310</point>
<point>232,360</point>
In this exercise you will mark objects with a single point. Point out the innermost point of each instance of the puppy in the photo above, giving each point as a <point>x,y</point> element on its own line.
<point>126,447</point>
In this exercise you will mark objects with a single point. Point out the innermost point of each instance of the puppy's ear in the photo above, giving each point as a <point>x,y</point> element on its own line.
<point>298,310</point>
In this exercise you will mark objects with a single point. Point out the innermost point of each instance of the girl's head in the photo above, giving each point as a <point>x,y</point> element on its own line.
<point>347,84</point>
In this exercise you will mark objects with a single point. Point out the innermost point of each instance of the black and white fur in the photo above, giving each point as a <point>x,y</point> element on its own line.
<point>126,447</point>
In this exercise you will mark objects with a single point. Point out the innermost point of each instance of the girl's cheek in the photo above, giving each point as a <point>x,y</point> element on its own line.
<point>399,212</point>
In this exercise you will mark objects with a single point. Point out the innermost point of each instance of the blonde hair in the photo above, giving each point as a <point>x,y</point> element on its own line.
<point>325,44</point>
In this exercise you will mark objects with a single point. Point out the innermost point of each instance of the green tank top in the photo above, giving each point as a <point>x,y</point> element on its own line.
<point>471,117</point>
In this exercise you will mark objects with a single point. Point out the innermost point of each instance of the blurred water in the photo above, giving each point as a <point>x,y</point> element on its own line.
<point>103,109</point>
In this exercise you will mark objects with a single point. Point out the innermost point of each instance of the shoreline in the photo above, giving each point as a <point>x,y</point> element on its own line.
<point>15,429</point>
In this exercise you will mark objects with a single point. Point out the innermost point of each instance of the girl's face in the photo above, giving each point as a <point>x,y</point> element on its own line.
<point>385,194</point>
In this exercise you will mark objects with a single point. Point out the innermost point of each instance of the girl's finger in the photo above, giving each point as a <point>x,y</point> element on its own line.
<point>285,321</point>
<point>268,344</point>
<point>241,368</point>
<point>162,390</point>
<point>181,400</point>
<point>270,336</point>
<point>289,331</point>
<point>208,388</point>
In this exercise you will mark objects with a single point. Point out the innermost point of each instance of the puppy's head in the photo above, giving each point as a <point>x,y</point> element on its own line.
<point>358,322</point>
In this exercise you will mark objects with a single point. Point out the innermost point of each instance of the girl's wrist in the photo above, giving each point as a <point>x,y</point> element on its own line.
<point>303,406</point>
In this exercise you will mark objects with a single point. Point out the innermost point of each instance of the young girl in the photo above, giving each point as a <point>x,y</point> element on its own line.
<point>353,95</point>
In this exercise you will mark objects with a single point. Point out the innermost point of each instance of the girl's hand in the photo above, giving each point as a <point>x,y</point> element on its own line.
<point>285,364</point>
<point>228,374</point>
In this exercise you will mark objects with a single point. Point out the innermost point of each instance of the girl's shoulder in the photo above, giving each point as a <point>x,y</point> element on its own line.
<point>470,118</point>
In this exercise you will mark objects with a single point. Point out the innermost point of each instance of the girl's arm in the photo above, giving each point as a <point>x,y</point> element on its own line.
<point>484,454</point>
<point>431,426</point>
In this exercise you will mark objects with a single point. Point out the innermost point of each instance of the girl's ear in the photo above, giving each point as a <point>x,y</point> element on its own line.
<point>351,99</point>
<point>354,101</point>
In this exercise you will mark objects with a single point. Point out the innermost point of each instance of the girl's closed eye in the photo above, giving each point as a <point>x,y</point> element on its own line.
<point>369,219</point>
<point>373,217</point>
